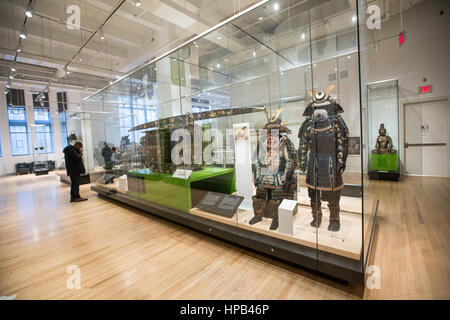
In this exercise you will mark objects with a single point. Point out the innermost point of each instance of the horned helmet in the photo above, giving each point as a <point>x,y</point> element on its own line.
<point>274,122</point>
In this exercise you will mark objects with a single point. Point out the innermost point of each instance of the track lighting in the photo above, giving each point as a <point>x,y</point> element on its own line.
<point>23,35</point>
<point>11,77</point>
<point>102,36</point>
<point>29,11</point>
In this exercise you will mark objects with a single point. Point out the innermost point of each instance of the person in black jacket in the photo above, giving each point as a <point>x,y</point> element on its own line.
<point>107,155</point>
<point>75,167</point>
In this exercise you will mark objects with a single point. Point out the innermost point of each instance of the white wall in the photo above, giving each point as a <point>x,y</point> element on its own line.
<point>7,161</point>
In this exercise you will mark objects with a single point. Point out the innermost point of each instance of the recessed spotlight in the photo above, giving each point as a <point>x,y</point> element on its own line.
<point>354,18</point>
<point>303,36</point>
<point>110,82</point>
<point>137,4</point>
<point>22,35</point>
<point>13,69</point>
<point>348,57</point>
<point>254,53</point>
<point>315,65</point>
<point>11,77</point>
<point>67,72</point>
<point>219,37</point>
<point>276,6</point>
<point>218,66</point>
<point>260,18</point>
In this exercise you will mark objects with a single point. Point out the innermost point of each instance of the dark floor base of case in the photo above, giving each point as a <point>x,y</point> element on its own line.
<point>384,175</point>
<point>327,264</point>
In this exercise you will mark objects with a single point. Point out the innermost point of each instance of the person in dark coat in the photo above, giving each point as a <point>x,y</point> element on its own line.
<point>75,167</point>
<point>107,155</point>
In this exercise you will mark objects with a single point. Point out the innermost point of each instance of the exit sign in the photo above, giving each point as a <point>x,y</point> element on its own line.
<point>426,89</point>
<point>401,39</point>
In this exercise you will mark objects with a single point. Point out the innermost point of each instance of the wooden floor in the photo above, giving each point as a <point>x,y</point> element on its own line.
<point>126,254</point>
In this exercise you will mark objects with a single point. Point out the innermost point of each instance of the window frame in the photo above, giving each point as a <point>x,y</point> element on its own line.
<point>18,123</point>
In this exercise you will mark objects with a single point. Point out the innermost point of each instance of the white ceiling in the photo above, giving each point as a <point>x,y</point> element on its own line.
<point>133,35</point>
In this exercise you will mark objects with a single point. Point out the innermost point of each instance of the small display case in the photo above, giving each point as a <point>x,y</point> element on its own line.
<point>383,135</point>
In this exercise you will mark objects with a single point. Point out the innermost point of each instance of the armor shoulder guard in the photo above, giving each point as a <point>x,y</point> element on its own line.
<point>303,127</point>
<point>343,129</point>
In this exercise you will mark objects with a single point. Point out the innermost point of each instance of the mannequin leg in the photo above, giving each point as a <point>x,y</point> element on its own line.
<point>333,205</point>
<point>259,206</point>
<point>316,208</point>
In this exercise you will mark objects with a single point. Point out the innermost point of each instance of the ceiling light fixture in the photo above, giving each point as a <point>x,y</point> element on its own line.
<point>8,86</point>
<point>276,6</point>
<point>137,3</point>
<point>260,18</point>
<point>254,53</point>
<point>11,77</point>
<point>29,11</point>
<point>354,18</point>
<point>102,36</point>
<point>22,35</point>
<point>13,69</point>
<point>303,36</point>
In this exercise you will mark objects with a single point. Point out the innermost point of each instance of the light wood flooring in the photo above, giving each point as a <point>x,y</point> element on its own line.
<point>124,253</point>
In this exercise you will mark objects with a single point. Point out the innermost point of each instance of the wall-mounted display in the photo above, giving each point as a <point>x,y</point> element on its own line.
<point>250,112</point>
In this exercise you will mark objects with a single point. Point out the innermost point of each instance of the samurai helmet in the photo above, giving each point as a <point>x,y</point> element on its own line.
<point>274,122</point>
<point>320,95</point>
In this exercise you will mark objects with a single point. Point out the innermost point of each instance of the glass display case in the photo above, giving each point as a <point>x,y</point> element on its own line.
<point>383,130</point>
<point>251,132</point>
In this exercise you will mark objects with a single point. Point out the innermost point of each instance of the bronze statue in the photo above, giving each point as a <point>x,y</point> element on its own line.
<point>384,143</point>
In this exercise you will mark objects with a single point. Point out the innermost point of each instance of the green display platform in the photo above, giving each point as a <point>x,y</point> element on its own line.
<point>163,189</point>
<point>383,162</point>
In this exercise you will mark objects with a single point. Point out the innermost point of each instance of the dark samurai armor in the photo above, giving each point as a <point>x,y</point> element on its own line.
<point>322,154</point>
<point>274,180</point>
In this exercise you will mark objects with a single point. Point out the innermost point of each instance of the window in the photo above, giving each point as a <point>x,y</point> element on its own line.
<point>61,97</point>
<point>43,123</point>
<point>133,115</point>
<point>18,132</point>
<point>15,97</point>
